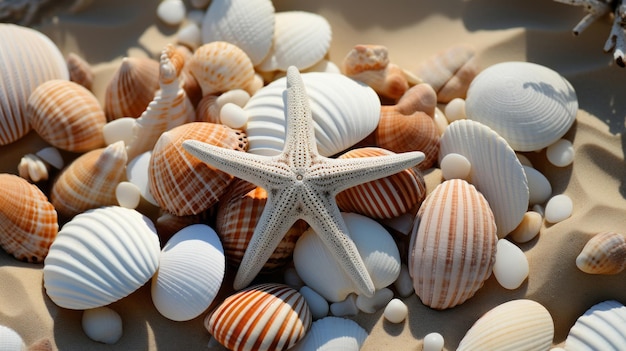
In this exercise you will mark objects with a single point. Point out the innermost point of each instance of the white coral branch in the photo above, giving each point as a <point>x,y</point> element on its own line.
<point>595,9</point>
<point>617,38</point>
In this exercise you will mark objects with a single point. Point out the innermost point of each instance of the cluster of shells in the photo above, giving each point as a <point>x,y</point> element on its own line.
<point>221,83</point>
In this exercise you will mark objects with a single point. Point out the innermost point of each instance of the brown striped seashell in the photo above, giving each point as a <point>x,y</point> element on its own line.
<point>453,245</point>
<point>66,115</point>
<point>604,253</point>
<point>80,70</point>
<point>90,180</point>
<point>208,110</point>
<point>386,197</point>
<point>265,317</point>
<point>179,182</point>
<point>28,221</point>
<point>131,88</point>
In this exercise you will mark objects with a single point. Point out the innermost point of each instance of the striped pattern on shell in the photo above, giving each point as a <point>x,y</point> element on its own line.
<point>265,317</point>
<point>131,88</point>
<point>80,70</point>
<point>604,253</point>
<point>453,248</point>
<point>601,327</point>
<point>28,222</point>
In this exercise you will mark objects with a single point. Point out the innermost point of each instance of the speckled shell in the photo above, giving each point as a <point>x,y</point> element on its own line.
<point>131,88</point>
<point>604,253</point>
<point>529,105</point>
<point>512,326</point>
<point>99,257</point>
<point>333,334</point>
<point>383,198</point>
<point>66,115</point>
<point>181,183</point>
<point>80,70</point>
<point>28,58</point>
<point>453,247</point>
<point>266,317</point>
<point>602,327</point>
<point>28,222</point>
<point>496,171</point>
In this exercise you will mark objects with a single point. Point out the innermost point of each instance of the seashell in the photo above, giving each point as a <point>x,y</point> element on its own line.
<point>455,110</point>
<point>301,39</point>
<point>376,302</point>
<point>28,222</point>
<point>601,327</point>
<point>137,172</point>
<point>262,317</point>
<point>102,324</point>
<point>248,24</point>
<point>80,70</point>
<point>539,187</point>
<point>99,257</point>
<point>333,333</point>
<point>450,72</point>
<point>420,97</point>
<point>191,271</point>
<point>292,279</point>
<point>168,224</point>
<point>453,246</point>
<point>28,58</point>
<point>511,266</point>
<point>433,342</point>
<point>189,36</point>
<point>496,171</point>
<point>604,253</point>
<point>455,166</point>
<point>529,105</point>
<point>404,284</point>
<point>383,198</point>
<point>171,12</point>
<point>131,88</point>
<point>396,311</point>
<point>346,307</point>
<point>317,303</point>
<point>66,115</point>
<point>10,340</point>
<point>528,229</point>
<point>32,168</point>
<point>90,180</point>
<point>344,112</point>
<point>208,110</point>
<point>560,153</point>
<point>179,182</point>
<point>127,194</point>
<point>558,208</point>
<point>512,326</point>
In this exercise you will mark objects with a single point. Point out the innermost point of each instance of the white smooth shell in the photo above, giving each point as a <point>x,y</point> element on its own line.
<point>602,327</point>
<point>561,153</point>
<point>511,267</point>
<point>172,12</point>
<point>539,188</point>
<point>10,340</point>
<point>127,194</point>
<point>233,116</point>
<point>558,208</point>
<point>455,110</point>
<point>433,342</point>
<point>396,311</point>
<point>332,334</point>
<point>102,324</point>
<point>455,166</point>
<point>317,303</point>
<point>137,173</point>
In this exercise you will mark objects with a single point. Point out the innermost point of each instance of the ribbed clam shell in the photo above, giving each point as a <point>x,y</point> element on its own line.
<point>496,171</point>
<point>66,115</point>
<point>604,253</point>
<point>301,39</point>
<point>453,248</point>
<point>181,183</point>
<point>516,325</point>
<point>529,105</point>
<point>191,271</point>
<point>386,197</point>
<point>344,112</point>
<point>27,59</point>
<point>99,257</point>
<point>28,222</point>
<point>208,109</point>
<point>131,88</point>
<point>333,334</point>
<point>90,180</point>
<point>80,70</point>
<point>249,24</point>
<point>10,340</point>
<point>602,327</point>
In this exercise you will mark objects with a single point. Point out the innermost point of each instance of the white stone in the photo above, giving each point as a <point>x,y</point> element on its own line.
<point>346,307</point>
<point>433,342</point>
<point>238,97</point>
<point>233,116</point>
<point>511,266</point>
<point>317,304</point>
<point>404,283</point>
<point>292,279</point>
<point>189,35</point>
<point>396,311</point>
<point>51,156</point>
<point>455,110</point>
<point>539,188</point>
<point>128,195</point>
<point>372,304</point>
<point>561,153</point>
<point>558,208</point>
<point>171,12</point>
<point>455,166</point>
<point>137,173</point>
<point>102,324</point>
<point>119,129</point>
<point>528,228</point>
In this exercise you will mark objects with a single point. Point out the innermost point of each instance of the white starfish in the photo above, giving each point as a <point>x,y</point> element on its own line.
<point>301,184</point>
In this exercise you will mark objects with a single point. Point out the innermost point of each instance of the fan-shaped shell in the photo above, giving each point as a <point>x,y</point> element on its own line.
<point>453,248</point>
<point>333,334</point>
<point>28,58</point>
<point>80,70</point>
<point>99,257</point>
<point>512,326</point>
<point>266,317</point>
<point>604,253</point>
<point>344,112</point>
<point>602,327</point>
<point>28,222</point>
<point>496,171</point>
<point>131,88</point>
<point>529,105</point>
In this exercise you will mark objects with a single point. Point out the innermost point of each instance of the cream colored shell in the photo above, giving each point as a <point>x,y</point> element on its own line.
<point>601,327</point>
<point>604,253</point>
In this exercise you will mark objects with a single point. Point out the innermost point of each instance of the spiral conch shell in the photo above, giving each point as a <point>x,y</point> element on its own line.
<point>131,88</point>
<point>604,253</point>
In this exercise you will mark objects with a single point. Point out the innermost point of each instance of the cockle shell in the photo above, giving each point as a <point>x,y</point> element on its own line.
<point>344,112</point>
<point>66,115</point>
<point>99,257</point>
<point>131,88</point>
<point>453,246</point>
<point>333,334</point>
<point>28,222</point>
<point>181,183</point>
<point>529,105</point>
<point>601,327</point>
<point>80,70</point>
<point>496,171</point>
<point>265,317</point>
<point>512,326</point>
<point>10,340</point>
<point>90,180</point>
<point>27,59</point>
<point>604,253</point>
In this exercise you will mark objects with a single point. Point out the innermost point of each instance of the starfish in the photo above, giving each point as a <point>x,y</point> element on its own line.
<point>301,184</point>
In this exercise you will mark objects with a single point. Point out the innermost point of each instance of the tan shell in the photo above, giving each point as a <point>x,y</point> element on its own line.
<point>604,253</point>
<point>28,222</point>
<point>208,110</point>
<point>80,70</point>
<point>131,88</point>
<point>66,115</point>
<point>420,97</point>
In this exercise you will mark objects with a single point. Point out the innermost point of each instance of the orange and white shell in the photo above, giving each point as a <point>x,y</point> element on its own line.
<point>80,70</point>
<point>28,221</point>
<point>453,246</point>
<point>131,88</point>
<point>265,317</point>
<point>604,253</point>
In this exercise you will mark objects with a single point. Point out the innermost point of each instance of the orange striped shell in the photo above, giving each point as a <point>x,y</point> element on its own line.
<point>80,70</point>
<point>131,88</point>
<point>28,222</point>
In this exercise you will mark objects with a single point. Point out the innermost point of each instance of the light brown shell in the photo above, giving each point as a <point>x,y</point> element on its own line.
<point>131,88</point>
<point>28,221</point>
<point>420,97</point>
<point>208,110</point>
<point>66,115</point>
<point>604,253</point>
<point>80,70</point>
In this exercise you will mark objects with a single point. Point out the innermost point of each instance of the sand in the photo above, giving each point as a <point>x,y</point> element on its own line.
<point>528,30</point>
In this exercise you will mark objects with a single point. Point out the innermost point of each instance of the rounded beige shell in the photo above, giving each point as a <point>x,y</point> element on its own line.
<point>604,253</point>
<point>333,334</point>
<point>131,88</point>
<point>601,327</point>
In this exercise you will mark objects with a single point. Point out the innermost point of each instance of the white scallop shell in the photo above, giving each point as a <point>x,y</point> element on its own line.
<point>99,257</point>
<point>602,327</point>
<point>10,340</point>
<point>344,112</point>
<point>529,105</point>
<point>190,274</point>
<point>496,171</point>
<point>331,334</point>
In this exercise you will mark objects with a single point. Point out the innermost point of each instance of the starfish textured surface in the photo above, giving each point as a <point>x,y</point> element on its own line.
<point>302,184</point>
